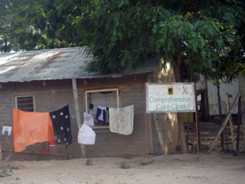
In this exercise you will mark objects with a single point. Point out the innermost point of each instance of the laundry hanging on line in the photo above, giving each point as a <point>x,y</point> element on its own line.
<point>122,120</point>
<point>31,128</point>
<point>86,135</point>
<point>88,119</point>
<point>102,115</point>
<point>62,125</point>
<point>6,130</point>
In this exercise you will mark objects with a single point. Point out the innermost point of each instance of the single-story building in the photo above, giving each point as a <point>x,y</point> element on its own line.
<point>45,80</point>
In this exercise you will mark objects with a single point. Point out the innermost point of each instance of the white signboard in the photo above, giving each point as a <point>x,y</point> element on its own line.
<point>174,97</point>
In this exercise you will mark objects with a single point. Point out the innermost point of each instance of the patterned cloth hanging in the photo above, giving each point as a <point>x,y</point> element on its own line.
<point>62,125</point>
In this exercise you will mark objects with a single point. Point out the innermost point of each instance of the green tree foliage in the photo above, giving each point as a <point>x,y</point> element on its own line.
<point>37,24</point>
<point>200,33</point>
<point>126,34</point>
<point>5,25</point>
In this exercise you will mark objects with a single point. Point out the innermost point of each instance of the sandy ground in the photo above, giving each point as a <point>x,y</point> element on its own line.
<point>173,169</point>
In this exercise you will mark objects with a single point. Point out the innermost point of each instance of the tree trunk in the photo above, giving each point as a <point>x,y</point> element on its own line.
<point>168,123</point>
<point>220,111</point>
<point>158,121</point>
<point>219,98</point>
<point>166,128</point>
<point>181,131</point>
<point>5,47</point>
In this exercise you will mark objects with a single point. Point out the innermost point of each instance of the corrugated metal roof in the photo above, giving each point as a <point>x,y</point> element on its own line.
<point>48,64</point>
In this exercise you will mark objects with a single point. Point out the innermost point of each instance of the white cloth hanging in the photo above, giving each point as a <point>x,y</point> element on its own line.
<point>6,130</point>
<point>88,119</point>
<point>86,135</point>
<point>122,120</point>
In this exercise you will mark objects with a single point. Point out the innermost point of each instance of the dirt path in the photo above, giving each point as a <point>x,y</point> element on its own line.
<point>174,169</point>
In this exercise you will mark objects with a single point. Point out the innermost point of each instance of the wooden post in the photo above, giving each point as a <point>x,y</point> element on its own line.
<point>239,125</point>
<point>197,133</point>
<point>159,134</point>
<point>148,128</point>
<point>1,146</point>
<point>77,110</point>
<point>231,125</point>
<point>1,155</point>
<point>196,129</point>
<point>182,134</point>
<point>149,133</point>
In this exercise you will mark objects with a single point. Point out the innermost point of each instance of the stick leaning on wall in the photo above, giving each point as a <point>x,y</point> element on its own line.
<point>225,122</point>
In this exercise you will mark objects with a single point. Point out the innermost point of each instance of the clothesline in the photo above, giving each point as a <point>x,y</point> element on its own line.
<point>55,127</point>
